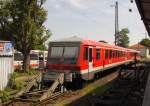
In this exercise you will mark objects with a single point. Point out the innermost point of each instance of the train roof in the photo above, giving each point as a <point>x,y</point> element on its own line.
<point>69,39</point>
<point>76,39</point>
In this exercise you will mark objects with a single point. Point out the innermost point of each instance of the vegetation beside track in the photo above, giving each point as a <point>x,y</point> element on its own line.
<point>17,82</point>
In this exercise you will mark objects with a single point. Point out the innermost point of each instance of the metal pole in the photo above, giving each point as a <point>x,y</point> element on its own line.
<point>116,22</point>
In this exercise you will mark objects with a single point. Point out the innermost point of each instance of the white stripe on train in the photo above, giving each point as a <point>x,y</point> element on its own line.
<point>101,67</point>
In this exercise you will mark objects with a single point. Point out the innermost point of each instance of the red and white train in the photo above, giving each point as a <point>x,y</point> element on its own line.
<point>38,59</point>
<point>82,59</point>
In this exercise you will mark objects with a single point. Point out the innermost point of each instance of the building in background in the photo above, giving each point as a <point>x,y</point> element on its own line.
<point>144,51</point>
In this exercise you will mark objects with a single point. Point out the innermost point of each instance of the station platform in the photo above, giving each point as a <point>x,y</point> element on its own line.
<point>146,100</point>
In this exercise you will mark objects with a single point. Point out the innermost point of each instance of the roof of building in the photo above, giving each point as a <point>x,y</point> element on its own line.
<point>137,46</point>
<point>144,10</point>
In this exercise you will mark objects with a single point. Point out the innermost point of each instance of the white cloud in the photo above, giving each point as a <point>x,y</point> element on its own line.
<point>78,4</point>
<point>92,18</point>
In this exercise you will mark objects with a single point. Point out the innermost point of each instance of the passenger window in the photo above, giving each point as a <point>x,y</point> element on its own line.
<point>106,54</point>
<point>117,53</point>
<point>113,54</point>
<point>110,53</point>
<point>86,53</point>
<point>97,54</point>
<point>90,54</point>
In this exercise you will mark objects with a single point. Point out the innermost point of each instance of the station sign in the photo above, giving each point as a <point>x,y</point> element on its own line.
<point>6,48</point>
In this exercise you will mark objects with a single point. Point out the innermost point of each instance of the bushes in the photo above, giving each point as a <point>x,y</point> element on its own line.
<point>16,84</point>
<point>4,95</point>
<point>19,84</point>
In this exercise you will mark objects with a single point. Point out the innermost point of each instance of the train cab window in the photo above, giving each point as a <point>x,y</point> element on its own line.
<point>106,54</point>
<point>63,54</point>
<point>70,52</point>
<point>97,54</point>
<point>18,56</point>
<point>86,53</point>
<point>56,52</point>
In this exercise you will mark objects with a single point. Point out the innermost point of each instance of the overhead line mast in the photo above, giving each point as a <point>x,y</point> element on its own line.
<point>116,22</point>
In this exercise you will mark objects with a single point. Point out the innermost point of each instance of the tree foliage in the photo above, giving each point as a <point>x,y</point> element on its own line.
<point>145,42</point>
<point>122,38</point>
<point>22,22</point>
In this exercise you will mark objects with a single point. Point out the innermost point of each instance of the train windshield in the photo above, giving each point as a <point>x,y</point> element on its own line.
<point>18,56</point>
<point>66,55</point>
<point>34,57</point>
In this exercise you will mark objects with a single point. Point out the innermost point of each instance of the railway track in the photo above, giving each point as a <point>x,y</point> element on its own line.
<point>75,95</point>
<point>31,98</point>
<point>127,91</point>
<point>53,99</point>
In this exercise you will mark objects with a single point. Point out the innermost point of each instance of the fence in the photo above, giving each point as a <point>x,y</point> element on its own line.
<point>6,63</point>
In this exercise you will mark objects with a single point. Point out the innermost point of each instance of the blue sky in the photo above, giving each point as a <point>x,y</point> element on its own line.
<point>92,19</point>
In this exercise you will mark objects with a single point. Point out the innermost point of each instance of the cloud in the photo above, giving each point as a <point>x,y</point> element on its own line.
<point>77,4</point>
<point>92,18</point>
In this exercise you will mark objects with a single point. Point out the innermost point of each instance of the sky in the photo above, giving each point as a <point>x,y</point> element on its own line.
<point>92,19</point>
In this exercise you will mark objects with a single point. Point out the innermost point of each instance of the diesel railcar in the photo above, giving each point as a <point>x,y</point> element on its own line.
<point>79,58</point>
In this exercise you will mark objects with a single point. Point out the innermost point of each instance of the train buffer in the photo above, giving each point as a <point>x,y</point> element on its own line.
<point>28,94</point>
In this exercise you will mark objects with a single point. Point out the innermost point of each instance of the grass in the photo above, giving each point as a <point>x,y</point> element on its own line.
<point>97,88</point>
<point>4,95</point>
<point>19,73</point>
<point>101,89</point>
<point>15,85</point>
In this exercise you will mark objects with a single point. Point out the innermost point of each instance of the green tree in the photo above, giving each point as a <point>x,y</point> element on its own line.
<point>122,38</point>
<point>22,21</point>
<point>5,33</point>
<point>145,42</point>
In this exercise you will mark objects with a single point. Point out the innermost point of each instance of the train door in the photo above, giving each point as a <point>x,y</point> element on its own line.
<point>41,60</point>
<point>90,61</point>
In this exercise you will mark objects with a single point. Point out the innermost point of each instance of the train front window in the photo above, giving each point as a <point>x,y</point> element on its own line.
<point>18,56</point>
<point>70,52</point>
<point>34,57</point>
<point>66,55</point>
